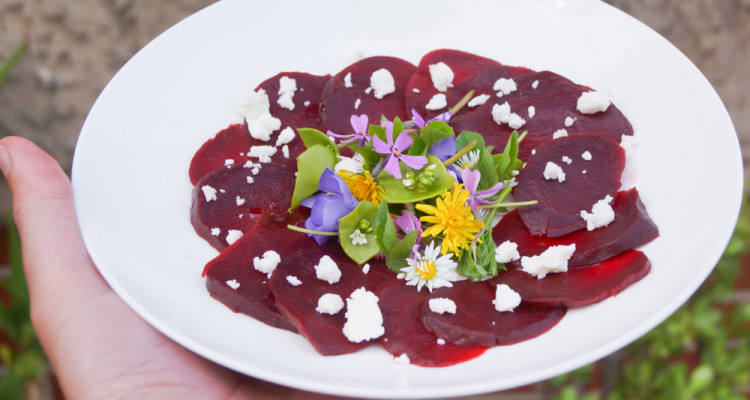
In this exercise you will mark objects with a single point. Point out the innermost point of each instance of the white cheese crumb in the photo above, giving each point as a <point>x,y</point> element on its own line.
<point>364,321</point>
<point>506,252</point>
<point>215,231</point>
<point>293,280</point>
<point>240,201</point>
<point>262,153</point>
<point>268,263</point>
<point>357,103</point>
<point>437,102</point>
<point>330,303</point>
<point>566,159</point>
<point>250,180</point>
<point>559,133</point>
<point>533,151</point>
<point>285,136</point>
<point>569,121</point>
<point>285,151</point>
<point>348,80</point>
<point>554,259</point>
<point>554,171</point>
<point>601,214</point>
<point>233,284</point>
<point>504,86</point>
<point>441,75</point>
<point>506,299</point>
<point>287,87</point>
<point>368,90</point>
<point>441,341</point>
<point>515,121</point>
<point>593,102</point>
<point>532,111</point>
<point>382,83</point>
<point>627,142</point>
<point>327,270</point>
<point>403,359</point>
<point>254,104</point>
<point>583,172</point>
<point>501,113</point>
<point>233,235</point>
<point>586,155</point>
<point>263,126</point>
<point>209,192</point>
<point>366,268</point>
<point>306,103</point>
<point>441,305</point>
<point>478,100</point>
<point>228,162</point>
<point>535,84</point>
<point>415,90</point>
<point>222,191</point>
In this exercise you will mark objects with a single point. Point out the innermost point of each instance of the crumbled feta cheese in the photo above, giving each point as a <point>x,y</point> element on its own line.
<point>415,90</point>
<point>215,231</point>
<point>566,159</point>
<point>233,284</point>
<point>330,303</point>
<point>287,87</point>
<point>533,151</point>
<point>209,192</point>
<point>285,151</point>
<point>364,321</point>
<point>535,84</point>
<point>437,102</point>
<point>236,119</point>
<point>306,103</point>
<point>222,191</point>
<point>263,126</point>
<point>601,214</point>
<point>504,86</point>
<point>627,142</point>
<point>366,268</point>
<point>554,259</point>
<point>262,153</point>
<point>233,235</point>
<point>506,252</point>
<point>348,80</point>
<point>268,263</point>
<point>254,104</point>
<point>569,121</point>
<point>515,121</point>
<point>441,341</point>
<point>285,136</point>
<point>285,101</point>
<point>441,305</point>
<point>358,237</point>
<point>586,155</point>
<point>382,83</point>
<point>327,270</point>
<point>250,180</point>
<point>357,103</point>
<point>559,133</point>
<point>368,90</point>
<point>354,164</point>
<point>228,162</point>
<point>478,100</point>
<point>403,359</point>
<point>506,299</point>
<point>441,75</point>
<point>583,172</point>
<point>240,201</point>
<point>532,111</point>
<point>501,113</point>
<point>293,280</point>
<point>250,164</point>
<point>593,102</point>
<point>554,171</point>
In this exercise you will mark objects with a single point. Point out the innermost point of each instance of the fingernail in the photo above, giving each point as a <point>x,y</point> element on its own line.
<point>4,160</point>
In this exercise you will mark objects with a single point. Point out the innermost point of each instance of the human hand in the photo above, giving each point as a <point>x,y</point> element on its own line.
<point>98,346</point>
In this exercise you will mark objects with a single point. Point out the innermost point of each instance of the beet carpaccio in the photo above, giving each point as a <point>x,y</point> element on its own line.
<point>363,207</point>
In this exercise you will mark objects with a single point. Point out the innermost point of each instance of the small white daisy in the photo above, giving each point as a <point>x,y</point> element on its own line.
<point>430,270</point>
<point>468,160</point>
<point>358,237</point>
<point>353,164</point>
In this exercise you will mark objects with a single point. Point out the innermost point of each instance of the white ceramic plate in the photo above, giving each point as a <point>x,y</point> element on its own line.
<point>133,194</point>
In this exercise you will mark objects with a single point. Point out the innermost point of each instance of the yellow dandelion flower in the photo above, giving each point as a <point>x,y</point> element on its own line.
<point>363,187</point>
<point>451,218</point>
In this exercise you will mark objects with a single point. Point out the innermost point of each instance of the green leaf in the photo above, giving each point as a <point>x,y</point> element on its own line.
<point>479,262</point>
<point>486,164</point>
<point>311,137</point>
<point>701,378</point>
<point>11,61</point>
<point>436,131</point>
<point>419,147</point>
<point>398,127</point>
<point>377,130</point>
<point>310,165</point>
<point>394,190</point>
<point>350,223</point>
<point>370,155</point>
<point>385,229</point>
<point>396,259</point>
<point>12,386</point>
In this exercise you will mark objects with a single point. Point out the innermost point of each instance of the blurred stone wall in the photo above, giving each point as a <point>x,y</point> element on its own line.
<point>76,46</point>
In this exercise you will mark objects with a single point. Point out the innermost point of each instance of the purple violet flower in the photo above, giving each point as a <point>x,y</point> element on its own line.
<point>360,125</point>
<point>471,181</point>
<point>420,123</point>
<point>407,223</point>
<point>393,150</point>
<point>328,207</point>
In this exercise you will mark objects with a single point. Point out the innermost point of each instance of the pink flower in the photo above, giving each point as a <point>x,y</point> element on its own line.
<point>471,181</point>
<point>360,125</point>
<point>394,151</point>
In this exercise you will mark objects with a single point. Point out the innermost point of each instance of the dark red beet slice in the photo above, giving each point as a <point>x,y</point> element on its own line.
<point>405,334</point>
<point>270,192</point>
<point>554,99</point>
<point>560,203</point>
<point>470,72</point>
<point>579,286</point>
<point>231,143</point>
<point>477,323</point>
<point>337,103</point>
<point>234,266</point>
<point>306,99</point>
<point>299,255</point>
<point>631,228</point>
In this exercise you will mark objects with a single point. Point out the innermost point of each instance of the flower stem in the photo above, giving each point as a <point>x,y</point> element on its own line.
<point>523,135</point>
<point>460,153</point>
<point>378,168</point>
<point>303,230</point>
<point>461,103</point>
<point>511,204</point>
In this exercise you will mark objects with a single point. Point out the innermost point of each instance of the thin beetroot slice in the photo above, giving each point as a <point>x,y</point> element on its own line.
<point>305,99</point>
<point>405,334</point>
<point>559,207</point>
<point>299,255</point>
<point>338,102</point>
<point>631,228</point>
<point>578,287</point>
<point>240,204</point>
<point>478,323</point>
<point>231,143</point>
